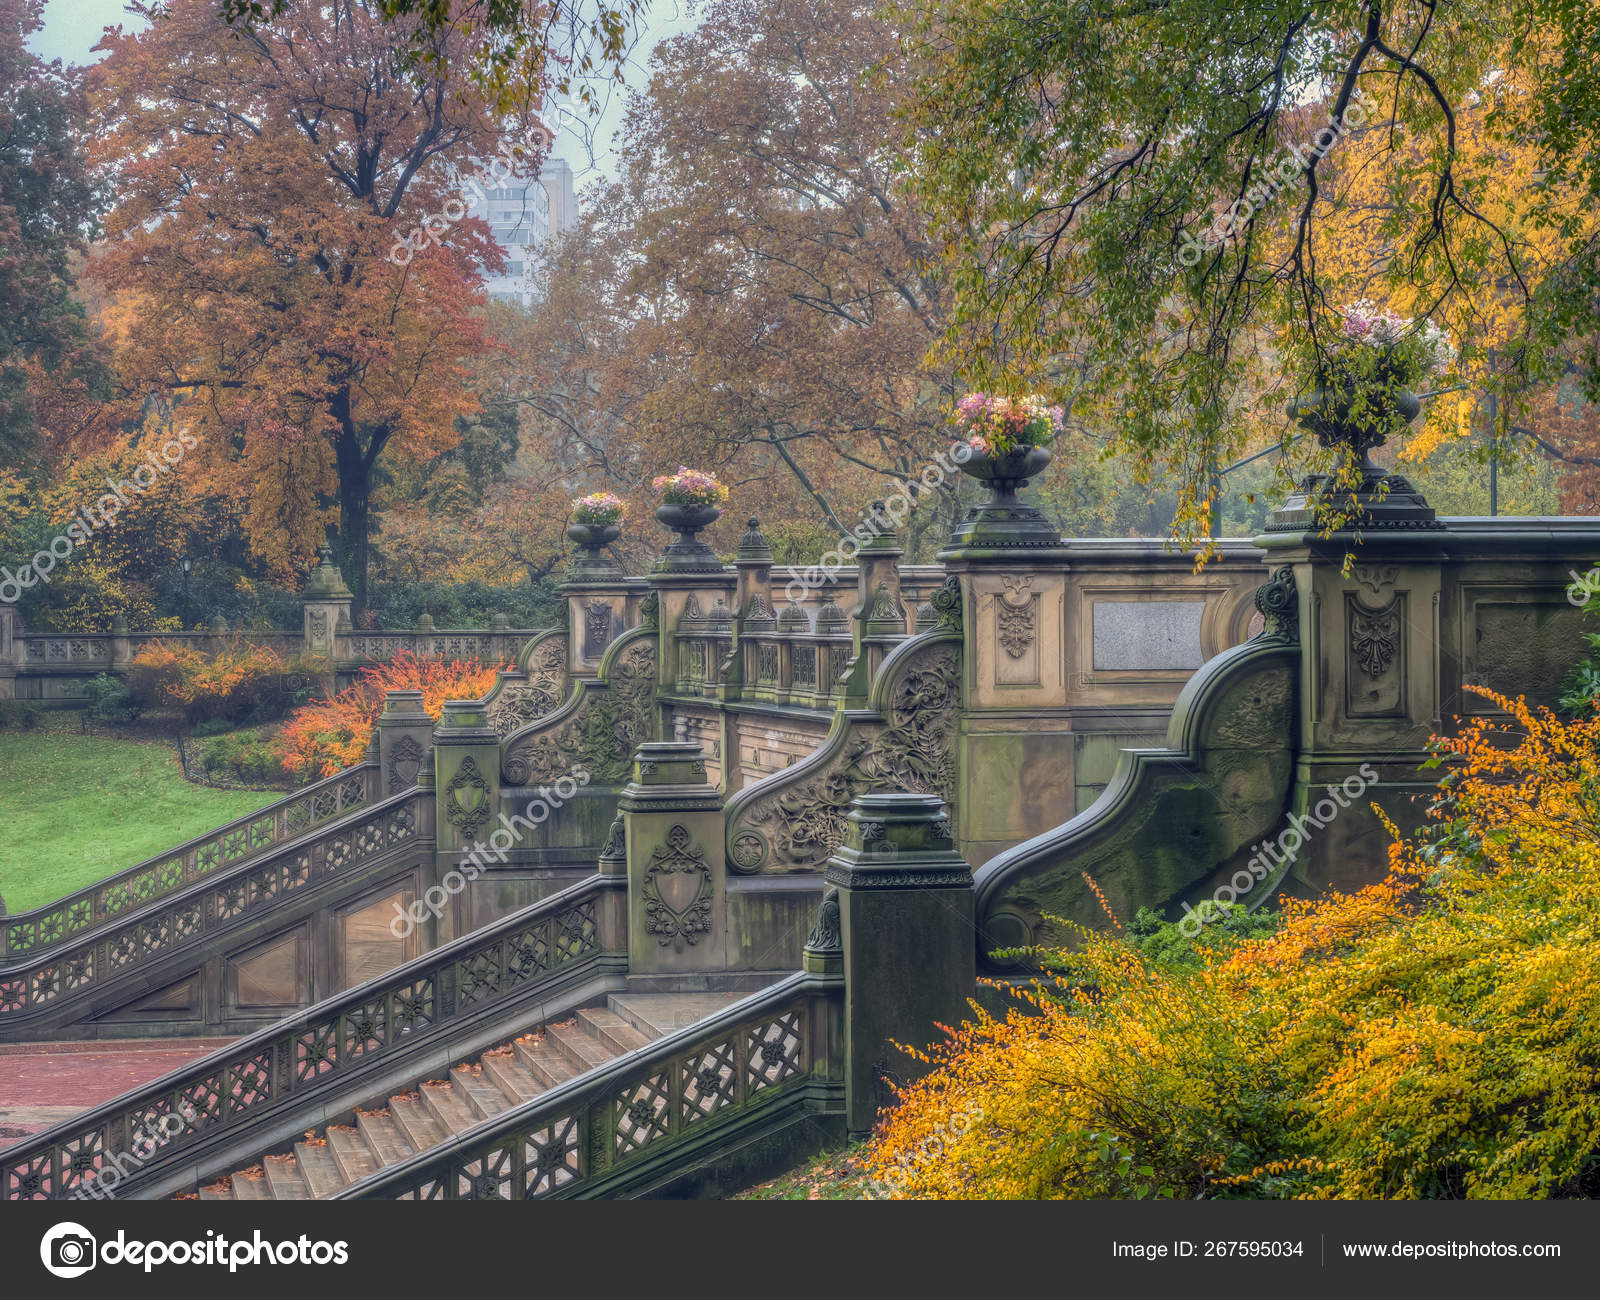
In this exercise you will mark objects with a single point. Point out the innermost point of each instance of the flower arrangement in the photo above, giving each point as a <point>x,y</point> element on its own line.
<point>995,425</point>
<point>1374,343</point>
<point>598,509</point>
<point>690,487</point>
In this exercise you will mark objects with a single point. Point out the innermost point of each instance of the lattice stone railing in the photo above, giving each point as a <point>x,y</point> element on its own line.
<point>29,934</point>
<point>307,1054</point>
<point>604,1126</point>
<point>207,906</point>
<point>485,647</point>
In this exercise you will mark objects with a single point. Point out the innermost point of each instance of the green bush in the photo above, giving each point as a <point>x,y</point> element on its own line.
<point>111,700</point>
<point>22,714</point>
<point>465,604</point>
<point>213,727</point>
<point>244,756</point>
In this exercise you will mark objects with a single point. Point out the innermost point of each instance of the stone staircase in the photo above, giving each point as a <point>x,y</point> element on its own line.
<point>426,1115</point>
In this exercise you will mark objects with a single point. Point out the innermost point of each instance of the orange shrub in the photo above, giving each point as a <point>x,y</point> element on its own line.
<point>236,682</point>
<point>333,733</point>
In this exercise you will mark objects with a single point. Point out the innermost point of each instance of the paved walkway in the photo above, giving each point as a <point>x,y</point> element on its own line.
<point>44,1083</point>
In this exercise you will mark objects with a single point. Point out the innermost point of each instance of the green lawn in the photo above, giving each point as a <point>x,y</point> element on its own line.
<point>75,808</point>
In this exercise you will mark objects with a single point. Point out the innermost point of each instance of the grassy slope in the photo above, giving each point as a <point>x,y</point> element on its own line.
<point>830,1176</point>
<point>75,808</point>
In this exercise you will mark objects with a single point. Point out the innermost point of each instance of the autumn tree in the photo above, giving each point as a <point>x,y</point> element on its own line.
<point>264,181</point>
<point>1136,186</point>
<point>47,207</point>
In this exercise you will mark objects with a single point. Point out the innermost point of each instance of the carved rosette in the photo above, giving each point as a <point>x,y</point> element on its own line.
<point>600,735</point>
<point>800,824</point>
<point>1278,599</point>
<point>677,892</point>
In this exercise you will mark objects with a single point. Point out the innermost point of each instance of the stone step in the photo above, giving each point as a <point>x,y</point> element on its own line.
<point>318,1167</point>
<point>219,1191</point>
<point>655,1015</point>
<point>579,1047</point>
<point>510,1075</point>
<point>544,1061</point>
<point>383,1136</point>
<point>251,1185</point>
<point>448,1106</point>
<point>608,1027</point>
<point>350,1152</point>
<point>283,1177</point>
<point>481,1093</point>
<point>420,1125</point>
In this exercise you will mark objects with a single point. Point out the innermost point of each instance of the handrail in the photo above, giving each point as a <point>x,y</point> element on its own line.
<point>242,840</point>
<point>641,1105</point>
<point>313,1050</point>
<point>210,904</point>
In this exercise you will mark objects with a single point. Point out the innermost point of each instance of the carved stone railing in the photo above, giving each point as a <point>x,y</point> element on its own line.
<point>207,906</point>
<point>1174,820</point>
<point>486,647</point>
<point>535,688</point>
<point>746,1072</point>
<point>600,725</point>
<point>28,934</point>
<point>313,1053</point>
<point>904,741</point>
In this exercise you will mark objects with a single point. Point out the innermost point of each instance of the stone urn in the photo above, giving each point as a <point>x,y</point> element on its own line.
<point>686,553</point>
<point>1358,417</point>
<point>591,562</point>
<point>1353,417</point>
<point>1003,520</point>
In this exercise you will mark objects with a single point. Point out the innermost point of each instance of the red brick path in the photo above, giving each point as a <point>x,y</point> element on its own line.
<point>44,1083</point>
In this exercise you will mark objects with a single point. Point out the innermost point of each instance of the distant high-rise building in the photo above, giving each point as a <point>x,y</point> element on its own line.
<point>522,215</point>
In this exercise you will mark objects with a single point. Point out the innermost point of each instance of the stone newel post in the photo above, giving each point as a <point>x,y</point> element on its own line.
<point>404,733</point>
<point>466,757</point>
<point>324,602</point>
<point>677,904</point>
<point>905,930</point>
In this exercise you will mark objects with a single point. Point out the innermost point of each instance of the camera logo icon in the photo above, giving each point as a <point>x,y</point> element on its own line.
<point>68,1250</point>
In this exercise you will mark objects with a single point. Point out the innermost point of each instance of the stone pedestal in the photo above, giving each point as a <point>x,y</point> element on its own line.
<point>673,833</point>
<point>1007,593</point>
<point>405,732</point>
<point>324,602</point>
<point>905,940</point>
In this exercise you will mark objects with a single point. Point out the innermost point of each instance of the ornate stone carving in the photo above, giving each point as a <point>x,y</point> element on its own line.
<point>317,620</point>
<point>650,610</point>
<point>615,847</point>
<point>467,802</point>
<point>517,703</point>
<point>1375,577</point>
<point>802,822</point>
<point>405,764</point>
<point>1278,599</point>
<point>1374,636</point>
<point>1016,615</point>
<point>947,603</point>
<point>596,628</point>
<point>599,737</point>
<point>825,936</point>
<point>677,892</point>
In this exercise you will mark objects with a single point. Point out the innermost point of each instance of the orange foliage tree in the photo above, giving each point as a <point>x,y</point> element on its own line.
<point>264,179</point>
<point>332,733</point>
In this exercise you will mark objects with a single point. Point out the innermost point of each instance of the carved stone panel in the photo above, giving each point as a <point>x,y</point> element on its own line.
<point>1375,657</point>
<point>1016,616</point>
